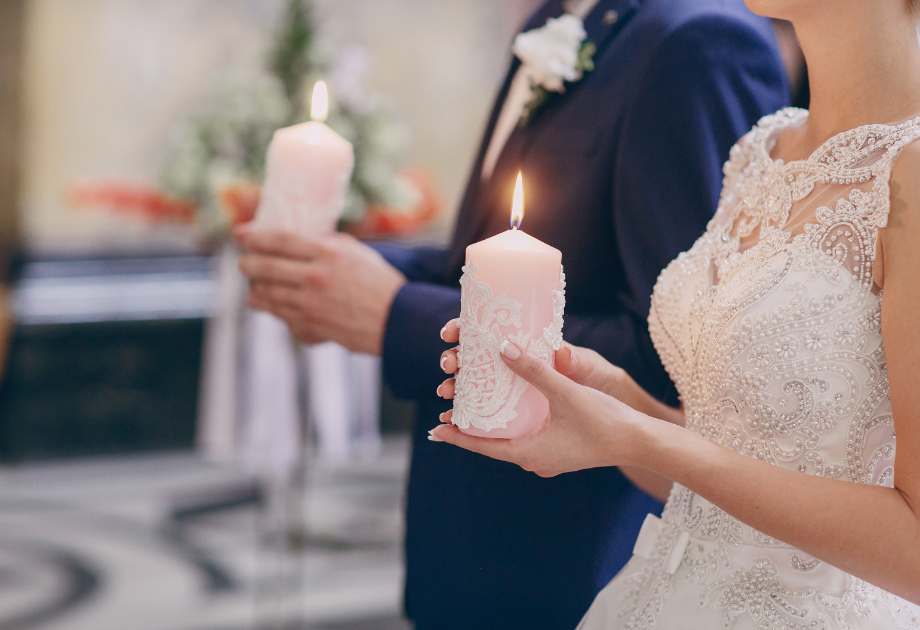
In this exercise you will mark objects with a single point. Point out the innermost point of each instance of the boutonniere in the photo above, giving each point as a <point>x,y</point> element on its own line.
<point>553,56</point>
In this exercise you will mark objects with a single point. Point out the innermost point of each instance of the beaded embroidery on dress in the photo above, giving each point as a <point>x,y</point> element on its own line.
<point>770,326</point>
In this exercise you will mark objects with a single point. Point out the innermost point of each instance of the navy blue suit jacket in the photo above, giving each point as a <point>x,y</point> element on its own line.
<point>623,172</point>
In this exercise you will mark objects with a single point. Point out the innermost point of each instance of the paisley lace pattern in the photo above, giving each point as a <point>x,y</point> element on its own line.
<point>770,327</point>
<point>487,392</point>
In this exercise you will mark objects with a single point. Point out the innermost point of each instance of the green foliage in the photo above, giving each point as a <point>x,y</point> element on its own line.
<point>538,97</point>
<point>291,58</point>
<point>586,53</point>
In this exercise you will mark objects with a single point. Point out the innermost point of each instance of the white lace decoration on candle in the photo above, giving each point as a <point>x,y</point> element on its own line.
<point>487,392</point>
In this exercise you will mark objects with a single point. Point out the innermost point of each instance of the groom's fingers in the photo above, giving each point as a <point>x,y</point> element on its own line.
<point>281,243</point>
<point>490,447</point>
<point>542,376</point>
<point>276,295</point>
<point>258,267</point>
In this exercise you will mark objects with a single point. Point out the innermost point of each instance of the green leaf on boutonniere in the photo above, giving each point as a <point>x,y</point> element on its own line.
<point>586,56</point>
<point>538,97</point>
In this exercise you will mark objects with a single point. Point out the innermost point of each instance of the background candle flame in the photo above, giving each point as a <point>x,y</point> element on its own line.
<point>517,204</point>
<point>319,102</point>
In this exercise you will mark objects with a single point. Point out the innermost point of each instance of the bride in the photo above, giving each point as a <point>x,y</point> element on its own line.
<point>790,329</point>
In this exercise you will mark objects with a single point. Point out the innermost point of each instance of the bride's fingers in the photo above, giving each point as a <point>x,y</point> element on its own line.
<point>447,389</point>
<point>447,417</point>
<point>531,369</point>
<point>451,331</point>
<point>449,361</point>
<point>566,361</point>
<point>584,366</point>
<point>490,447</point>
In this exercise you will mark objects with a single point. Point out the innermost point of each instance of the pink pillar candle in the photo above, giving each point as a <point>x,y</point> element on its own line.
<point>513,287</point>
<point>307,172</point>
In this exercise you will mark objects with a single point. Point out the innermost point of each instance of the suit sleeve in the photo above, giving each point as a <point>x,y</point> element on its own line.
<point>418,264</point>
<point>411,343</point>
<point>710,81</point>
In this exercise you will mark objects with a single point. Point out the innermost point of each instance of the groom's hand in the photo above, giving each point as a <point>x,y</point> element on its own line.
<point>332,288</point>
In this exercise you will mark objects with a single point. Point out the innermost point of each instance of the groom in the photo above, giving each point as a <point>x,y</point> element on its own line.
<point>623,172</point>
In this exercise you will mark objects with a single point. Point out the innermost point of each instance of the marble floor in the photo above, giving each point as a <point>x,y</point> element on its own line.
<point>169,542</point>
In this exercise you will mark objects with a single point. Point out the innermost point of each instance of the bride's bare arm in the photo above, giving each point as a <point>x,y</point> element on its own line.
<point>872,532</point>
<point>588,368</point>
<point>836,521</point>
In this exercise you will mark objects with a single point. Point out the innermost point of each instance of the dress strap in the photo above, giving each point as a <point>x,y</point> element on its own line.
<point>881,208</point>
<point>909,133</point>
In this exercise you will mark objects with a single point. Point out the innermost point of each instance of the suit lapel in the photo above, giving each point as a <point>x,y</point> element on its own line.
<point>604,21</point>
<point>551,8</point>
<point>469,216</point>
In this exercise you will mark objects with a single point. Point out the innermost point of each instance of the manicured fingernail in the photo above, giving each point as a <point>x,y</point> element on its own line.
<point>444,333</point>
<point>443,362</point>
<point>433,438</point>
<point>442,416</point>
<point>510,350</point>
<point>439,391</point>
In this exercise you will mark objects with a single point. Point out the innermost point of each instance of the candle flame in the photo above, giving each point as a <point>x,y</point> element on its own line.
<point>319,102</point>
<point>517,204</point>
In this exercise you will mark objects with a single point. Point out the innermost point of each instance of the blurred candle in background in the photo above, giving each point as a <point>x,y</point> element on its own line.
<point>513,287</point>
<point>307,172</point>
<point>308,168</point>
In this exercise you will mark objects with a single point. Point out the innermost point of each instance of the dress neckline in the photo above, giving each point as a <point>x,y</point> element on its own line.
<point>842,150</point>
<point>850,157</point>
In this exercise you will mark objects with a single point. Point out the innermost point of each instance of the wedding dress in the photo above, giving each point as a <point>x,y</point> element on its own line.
<point>770,328</point>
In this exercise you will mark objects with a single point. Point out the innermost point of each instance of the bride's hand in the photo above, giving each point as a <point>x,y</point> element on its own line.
<point>582,365</point>
<point>585,429</point>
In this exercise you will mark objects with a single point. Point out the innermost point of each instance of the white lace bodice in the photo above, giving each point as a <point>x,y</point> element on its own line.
<point>770,327</point>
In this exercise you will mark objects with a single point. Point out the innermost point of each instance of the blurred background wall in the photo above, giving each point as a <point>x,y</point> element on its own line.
<point>11,45</point>
<point>105,80</point>
<point>110,517</point>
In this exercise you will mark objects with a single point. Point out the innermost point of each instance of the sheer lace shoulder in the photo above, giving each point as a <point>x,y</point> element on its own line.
<point>837,199</point>
<point>770,326</point>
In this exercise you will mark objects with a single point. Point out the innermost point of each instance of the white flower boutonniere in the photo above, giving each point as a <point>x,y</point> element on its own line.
<point>552,56</point>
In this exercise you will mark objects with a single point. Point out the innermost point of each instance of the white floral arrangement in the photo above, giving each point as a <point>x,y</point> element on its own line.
<point>553,56</point>
<point>222,146</point>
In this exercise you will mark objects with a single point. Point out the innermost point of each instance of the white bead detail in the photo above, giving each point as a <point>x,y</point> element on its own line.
<point>770,328</point>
